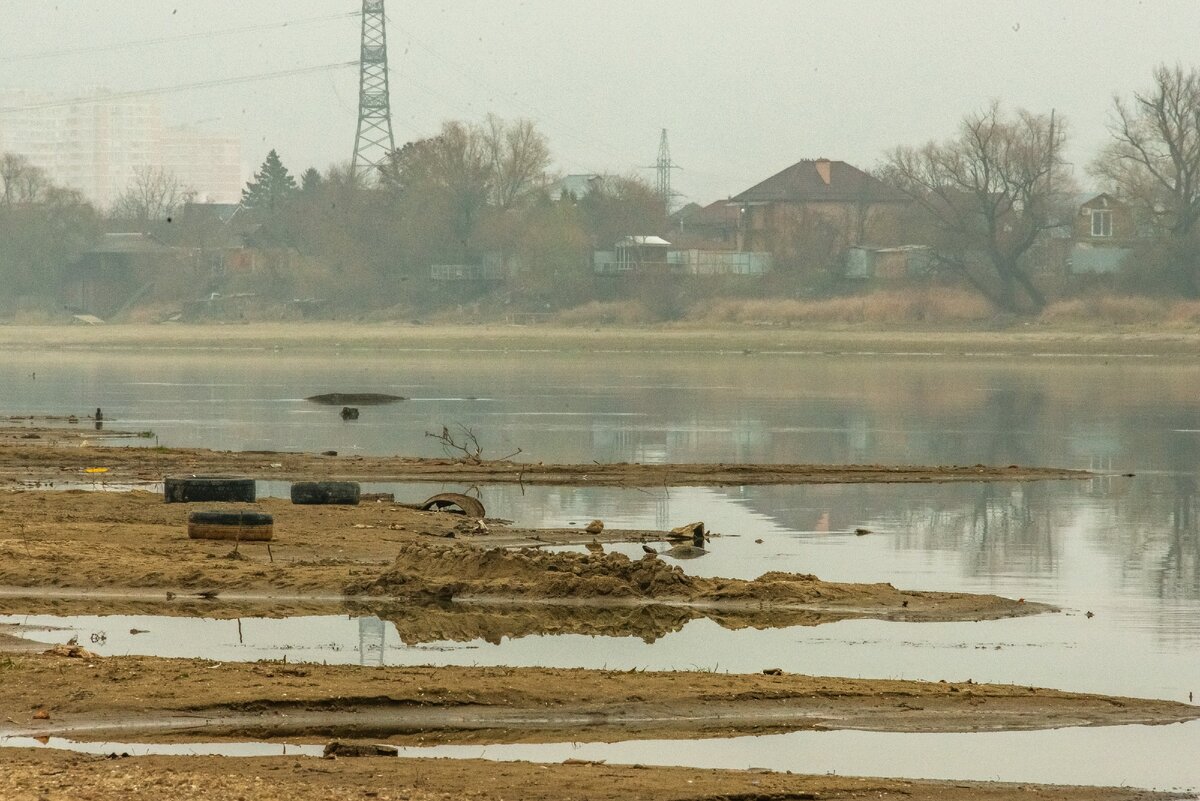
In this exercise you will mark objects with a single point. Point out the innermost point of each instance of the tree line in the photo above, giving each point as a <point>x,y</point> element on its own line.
<point>984,197</point>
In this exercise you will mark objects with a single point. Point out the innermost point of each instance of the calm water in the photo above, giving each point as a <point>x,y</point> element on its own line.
<point>1127,549</point>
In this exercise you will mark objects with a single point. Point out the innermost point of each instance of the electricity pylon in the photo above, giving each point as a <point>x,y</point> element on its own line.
<point>374,142</point>
<point>664,167</point>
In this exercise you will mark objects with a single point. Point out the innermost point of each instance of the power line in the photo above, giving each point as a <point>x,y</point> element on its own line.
<point>183,87</point>
<point>172,39</point>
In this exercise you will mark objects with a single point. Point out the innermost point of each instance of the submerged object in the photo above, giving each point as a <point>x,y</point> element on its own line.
<point>354,399</point>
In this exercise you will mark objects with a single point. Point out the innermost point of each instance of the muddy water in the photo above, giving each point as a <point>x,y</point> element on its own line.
<point>1126,549</point>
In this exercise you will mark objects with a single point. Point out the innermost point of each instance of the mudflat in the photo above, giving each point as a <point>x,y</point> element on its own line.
<point>31,450</point>
<point>33,774</point>
<point>72,693</point>
<point>1098,339</point>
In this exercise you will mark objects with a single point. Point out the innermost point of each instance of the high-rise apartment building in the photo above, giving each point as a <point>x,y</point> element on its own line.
<point>96,142</point>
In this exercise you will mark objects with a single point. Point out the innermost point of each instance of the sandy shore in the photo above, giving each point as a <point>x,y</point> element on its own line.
<point>841,339</point>
<point>71,693</point>
<point>131,546</point>
<point>41,774</point>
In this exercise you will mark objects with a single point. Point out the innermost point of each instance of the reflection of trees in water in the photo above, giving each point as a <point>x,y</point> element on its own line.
<point>1150,524</point>
<point>995,526</point>
<point>1001,527</point>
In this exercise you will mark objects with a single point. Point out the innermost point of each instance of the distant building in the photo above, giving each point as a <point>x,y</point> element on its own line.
<point>1102,236</point>
<point>854,206</point>
<point>574,187</point>
<point>714,226</point>
<point>96,144</point>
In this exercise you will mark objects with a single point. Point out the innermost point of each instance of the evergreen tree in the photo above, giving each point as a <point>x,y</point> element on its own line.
<point>310,179</point>
<point>271,188</point>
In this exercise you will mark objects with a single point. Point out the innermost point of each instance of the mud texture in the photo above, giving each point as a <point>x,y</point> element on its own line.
<point>436,571</point>
<point>69,692</point>
<point>132,546</point>
<point>64,453</point>
<point>42,774</point>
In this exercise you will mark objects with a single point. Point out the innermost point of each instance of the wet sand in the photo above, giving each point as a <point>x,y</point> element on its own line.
<point>63,550</point>
<point>69,692</point>
<point>34,774</point>
<point>132,546</point>
<point>55,451</point>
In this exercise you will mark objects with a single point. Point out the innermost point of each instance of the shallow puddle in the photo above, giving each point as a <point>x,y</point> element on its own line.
<point>1151,757</point>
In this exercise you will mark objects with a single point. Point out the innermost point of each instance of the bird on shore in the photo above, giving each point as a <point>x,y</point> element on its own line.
<point>594,547</point>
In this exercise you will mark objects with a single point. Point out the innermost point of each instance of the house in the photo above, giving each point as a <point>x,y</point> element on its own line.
<point>115,272</point>
<point>838,198</point>
<point>711,227</point>
<point>1102,236</point>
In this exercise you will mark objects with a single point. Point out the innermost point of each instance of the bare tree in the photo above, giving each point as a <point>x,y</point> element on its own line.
<point>153,194</point>
<point>1153,161</point>
<point>519,157</point>
<point>1154,156</point>
<point>989,193</point>
<point>20,180</point>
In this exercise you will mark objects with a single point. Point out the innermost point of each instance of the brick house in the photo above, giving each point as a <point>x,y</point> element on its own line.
<point>850,206</point>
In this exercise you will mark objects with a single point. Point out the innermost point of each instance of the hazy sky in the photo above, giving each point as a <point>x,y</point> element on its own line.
<point>745,87</point>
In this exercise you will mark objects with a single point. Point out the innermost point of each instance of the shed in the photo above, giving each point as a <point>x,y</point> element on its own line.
<point>641,252</point>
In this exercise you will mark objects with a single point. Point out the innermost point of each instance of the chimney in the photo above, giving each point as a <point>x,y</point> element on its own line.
<point>823,170</point>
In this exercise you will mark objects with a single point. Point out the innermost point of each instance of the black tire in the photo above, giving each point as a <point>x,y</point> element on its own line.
<point>469,506</point>
<point>326,492</point>
<point>243,526</point>
<point>193,489</point>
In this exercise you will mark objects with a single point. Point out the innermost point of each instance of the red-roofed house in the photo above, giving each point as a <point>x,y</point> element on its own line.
<point>850,206</point>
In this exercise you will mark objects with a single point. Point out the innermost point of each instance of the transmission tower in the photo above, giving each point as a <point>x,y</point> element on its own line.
<point>664,167</point>
<point>374,142</point>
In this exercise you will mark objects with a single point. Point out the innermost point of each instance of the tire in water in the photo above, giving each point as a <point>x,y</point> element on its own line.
<point>200,489</point>
<point>326,492</point>
<point>236,525</point>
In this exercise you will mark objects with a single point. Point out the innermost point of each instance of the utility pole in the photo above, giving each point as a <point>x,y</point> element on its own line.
<point>374,143</point>
<point>664,167</point>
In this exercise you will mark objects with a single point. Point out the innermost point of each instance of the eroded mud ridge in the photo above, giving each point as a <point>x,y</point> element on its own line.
<point>430,570</point>
<point>69,692</point>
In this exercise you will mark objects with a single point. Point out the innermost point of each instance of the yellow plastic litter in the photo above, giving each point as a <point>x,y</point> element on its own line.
<point>95,470</point>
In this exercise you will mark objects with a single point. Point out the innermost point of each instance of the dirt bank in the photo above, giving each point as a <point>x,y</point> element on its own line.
<point>1099,339</point>
<point>35,451</point>
<point>55,775</point>
<point>146,699</point>
<point>439,571</point>
<point>71,542</point>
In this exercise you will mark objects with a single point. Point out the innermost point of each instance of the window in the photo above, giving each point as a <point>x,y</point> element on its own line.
<point>1101,222</point>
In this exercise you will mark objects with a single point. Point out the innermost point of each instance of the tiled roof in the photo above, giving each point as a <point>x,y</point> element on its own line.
<point>821,180</point>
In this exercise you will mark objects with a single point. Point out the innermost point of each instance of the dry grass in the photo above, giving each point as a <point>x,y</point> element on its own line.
<point>1184,312</point>
<point>901,306</point>
<point>627,312</point>
<point>1108,309</point>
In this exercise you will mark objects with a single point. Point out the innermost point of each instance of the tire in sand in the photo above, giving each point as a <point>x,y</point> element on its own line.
<point>469,506</point>
<point>207,524</point>
<point>207,489</point>
<point>326,492</point>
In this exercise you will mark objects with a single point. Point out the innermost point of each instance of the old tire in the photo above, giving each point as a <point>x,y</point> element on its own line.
<point>193,489</point>
<point>236,525</point>
<point>323,492</point>
<point>448,500</point>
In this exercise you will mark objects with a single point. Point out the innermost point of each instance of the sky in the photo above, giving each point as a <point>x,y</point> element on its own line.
<point>744,87</point>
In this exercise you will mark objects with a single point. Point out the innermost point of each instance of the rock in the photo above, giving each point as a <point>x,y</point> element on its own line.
<point>595,527</point>
<point>338,748</point>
